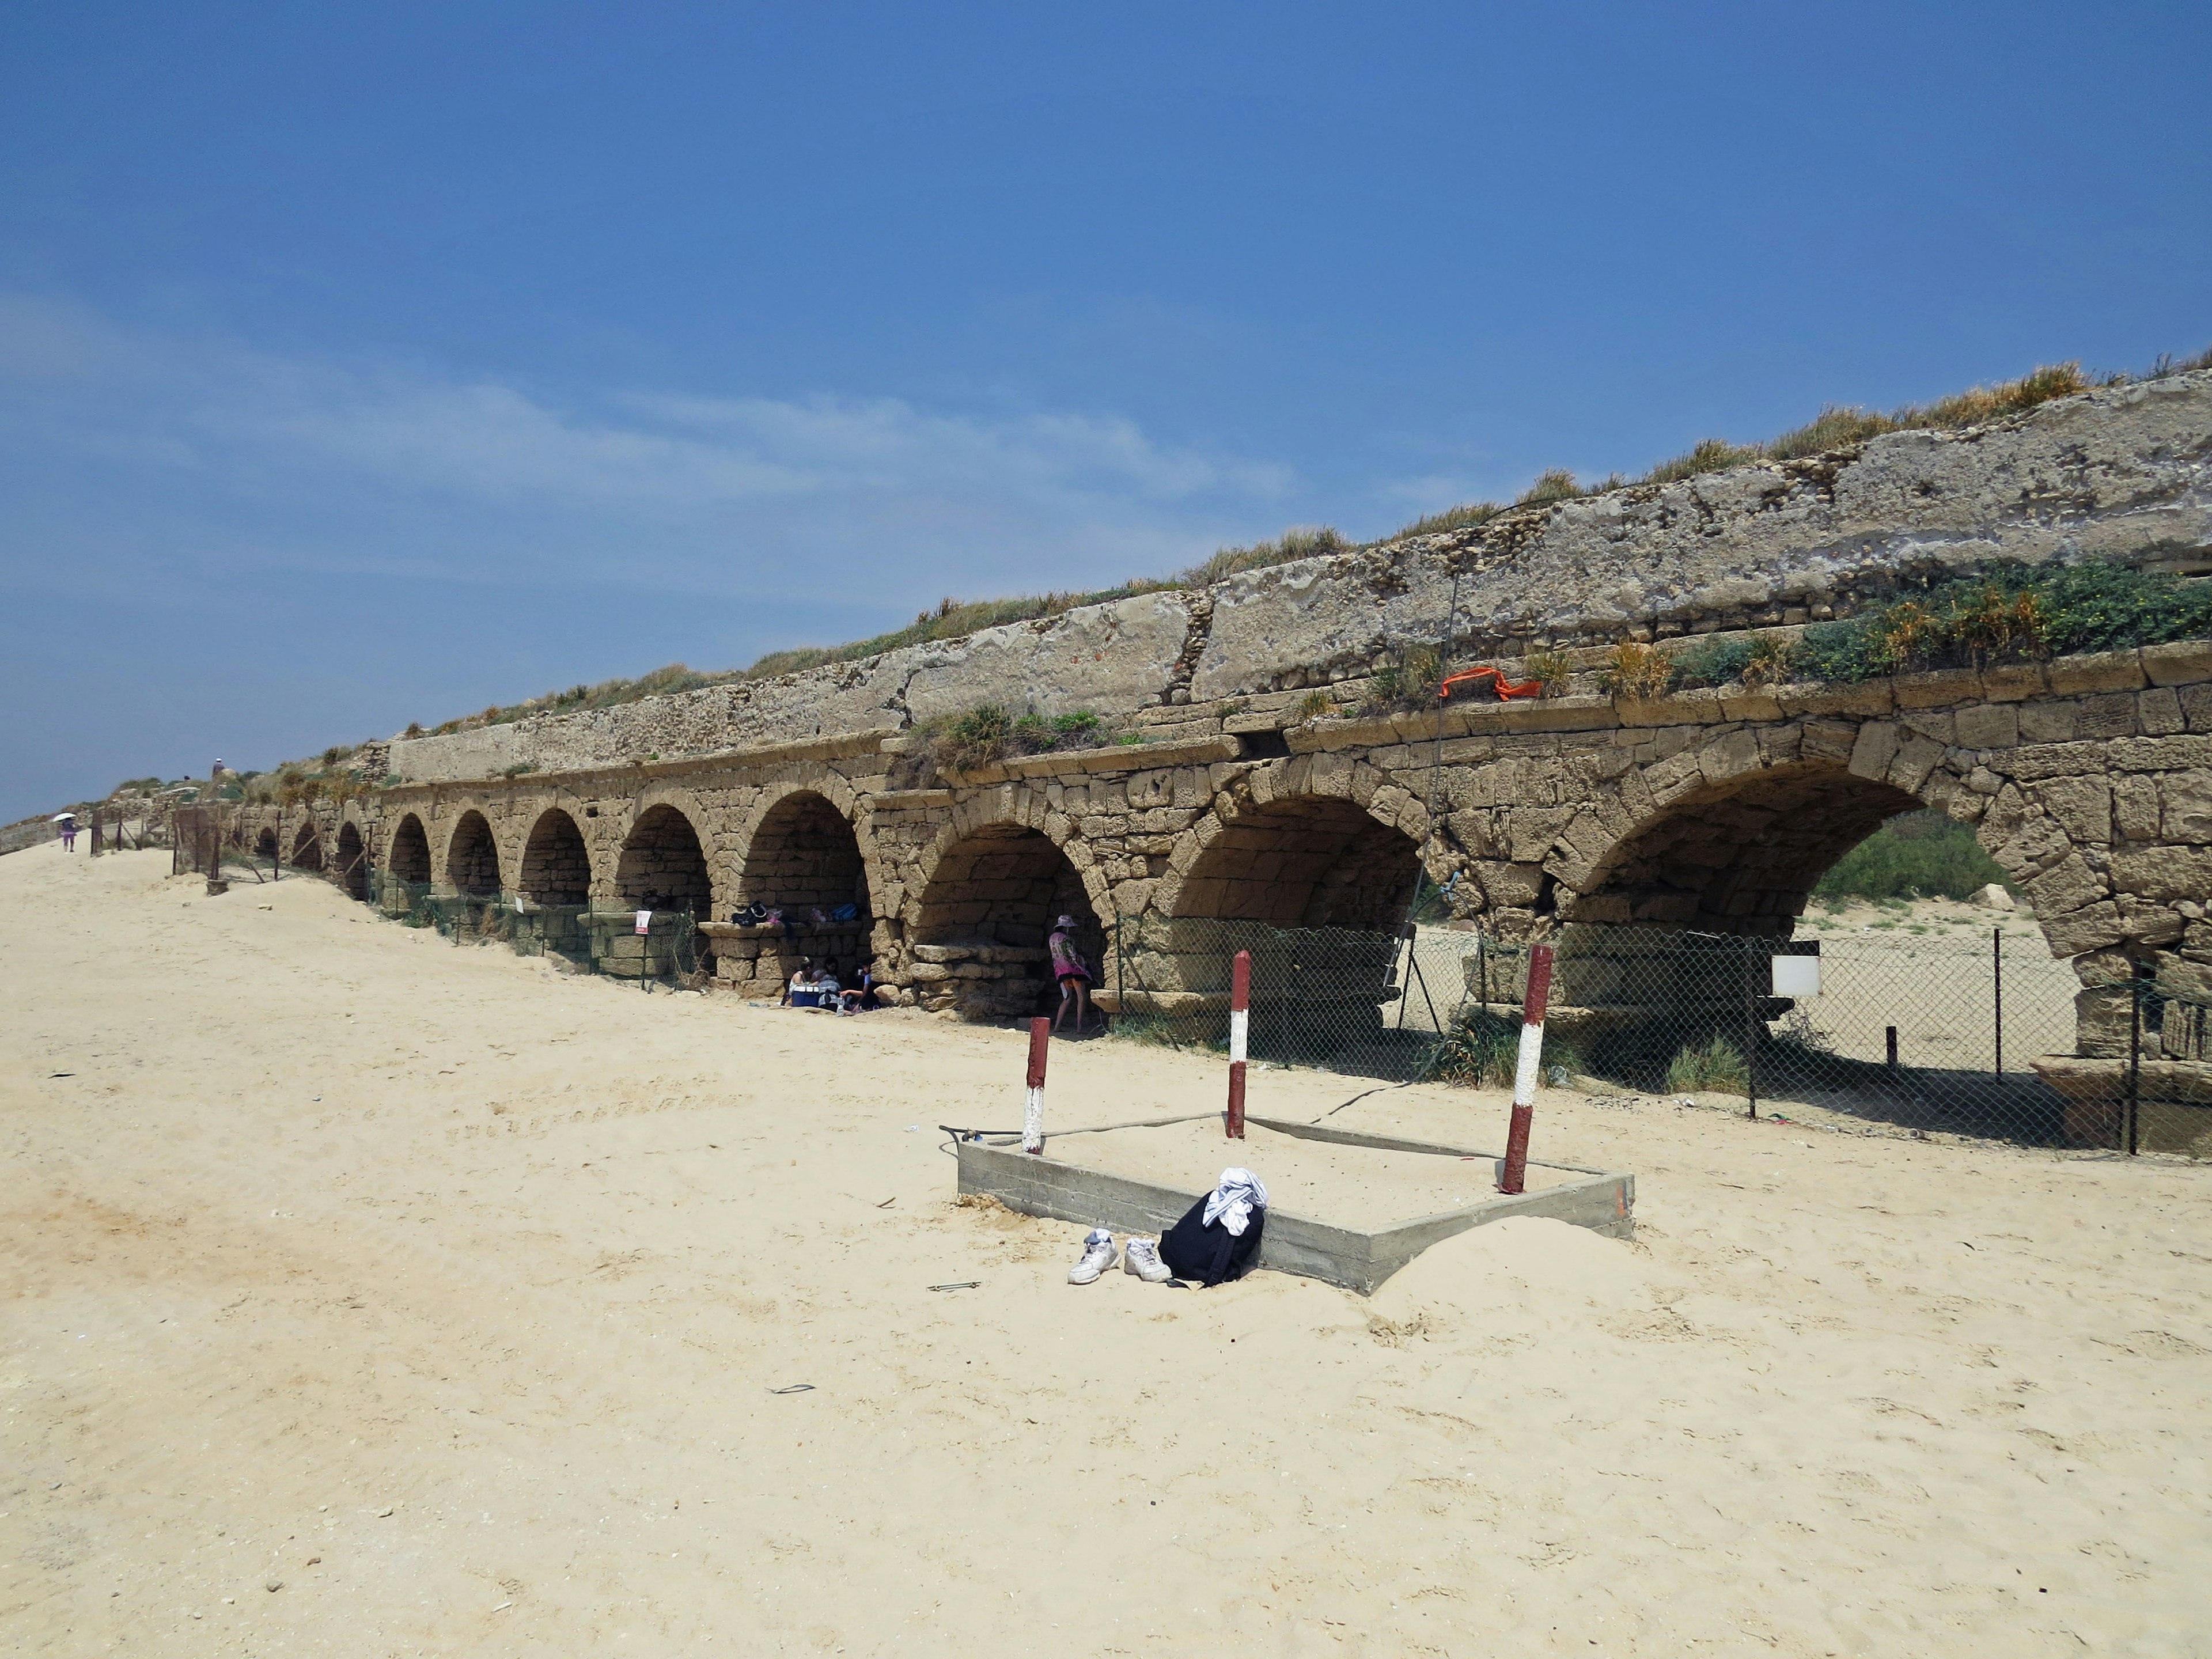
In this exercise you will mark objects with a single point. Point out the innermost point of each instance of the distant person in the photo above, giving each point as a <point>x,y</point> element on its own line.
<point>67,826</point>
<point>867,992</point>
<point>799,993</point>
<point>1072,973</point>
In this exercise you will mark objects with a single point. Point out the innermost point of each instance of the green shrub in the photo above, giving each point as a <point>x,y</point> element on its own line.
<point>1409,683</point>
<point>1714,660</point>
<point>1718,1066</point>
<point>1923,854</point>
<point>1635,671</point>
<point>1480,1051</point>
<point>2008,613</point>
<point>1549,669</point>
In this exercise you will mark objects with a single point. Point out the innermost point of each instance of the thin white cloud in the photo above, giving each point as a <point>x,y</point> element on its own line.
<point>402,468</point>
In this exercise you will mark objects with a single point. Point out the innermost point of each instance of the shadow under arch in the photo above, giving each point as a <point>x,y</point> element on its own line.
<point>307,848</point>
<point>1738,856</point>
<point>805,856</point>
<point>409,861</point>
<point>662,865</point>
<point>472,857</point>
<point>264,844</point>
<point>1664,975</point>
<point>1304,862</point>
<point>556,864</point>
<point>352,861</point>
<point>992,897</point>
<point>1316,890</point>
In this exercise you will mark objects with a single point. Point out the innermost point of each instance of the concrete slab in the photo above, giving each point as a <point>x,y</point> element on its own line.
<point>1042,1185</point>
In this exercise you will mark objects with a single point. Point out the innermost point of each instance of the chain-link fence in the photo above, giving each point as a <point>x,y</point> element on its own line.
<point>1973,1036</point>
<point>664,951</point>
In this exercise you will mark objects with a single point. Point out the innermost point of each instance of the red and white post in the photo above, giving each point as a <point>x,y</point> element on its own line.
<point>1240,1031</point>
<point>1033,1110</point>
<point>1527,1071</point>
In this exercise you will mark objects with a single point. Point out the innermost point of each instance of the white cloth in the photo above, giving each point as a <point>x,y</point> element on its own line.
<point>1233,1201</point>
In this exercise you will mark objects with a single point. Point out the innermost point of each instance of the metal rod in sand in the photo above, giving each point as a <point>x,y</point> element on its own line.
<point>1033,1110</point>
<point>1240,1031</point>
<point>1514,1174</point>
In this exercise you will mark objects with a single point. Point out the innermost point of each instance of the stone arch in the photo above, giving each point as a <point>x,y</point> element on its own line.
<point>352,864</point>
<point>409,861</point>
<point>472,857</point>
<point>556,865</point>
<point>307,847</point>
<point>1738,854</point>
<point>804,853</point>
<point>977,929</point>
<point>1308,860</point>
<point>663,865</point>
<point>264,844</point>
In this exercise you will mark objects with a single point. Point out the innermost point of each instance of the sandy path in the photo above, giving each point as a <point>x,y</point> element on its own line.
<point>448,1293</point>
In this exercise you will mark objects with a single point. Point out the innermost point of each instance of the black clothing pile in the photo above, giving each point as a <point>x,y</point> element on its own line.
<point>1208,1252</point>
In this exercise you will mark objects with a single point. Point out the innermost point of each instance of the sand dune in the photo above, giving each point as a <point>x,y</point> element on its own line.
<point>453,1297</point>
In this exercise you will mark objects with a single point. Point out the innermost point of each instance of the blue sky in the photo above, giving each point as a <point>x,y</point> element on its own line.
<point>360,364</point>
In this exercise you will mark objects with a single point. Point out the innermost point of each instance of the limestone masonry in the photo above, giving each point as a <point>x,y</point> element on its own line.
<point>1245,796</point>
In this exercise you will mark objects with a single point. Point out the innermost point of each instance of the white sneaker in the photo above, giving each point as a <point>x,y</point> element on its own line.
<point>1142,1257</point>
<point>1098,1257</point>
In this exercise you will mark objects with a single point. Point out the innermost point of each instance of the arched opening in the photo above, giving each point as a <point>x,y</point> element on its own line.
<point>1267,884</point>
<point>1315,861</point>
<point>472,858</point>
<point>264,844</point>
<point>805,860</point>
<point>980,932</point>
<point>411,853</point>
<point>556,867</point>
<point>1741,856</point>
<point>662,866</point>
<point>353,862</point>
<point>805,857</point>
<point>307,848</point>
<point>1665,977</point>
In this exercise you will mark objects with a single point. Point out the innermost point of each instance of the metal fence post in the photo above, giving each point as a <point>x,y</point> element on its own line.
<point>1996,993</point>
<point>2135,1054</point>
<point>1750,1024</point>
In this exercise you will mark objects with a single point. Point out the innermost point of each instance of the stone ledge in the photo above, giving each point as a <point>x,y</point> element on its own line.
<point>1113,758</point>
<point>842,746</point>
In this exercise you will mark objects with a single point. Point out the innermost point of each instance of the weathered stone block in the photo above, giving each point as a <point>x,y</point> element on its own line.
<point>1938,689</point>
<point>2163,873</point>
<point>2158,712</point>
<point>2135,806</point>
<point>2067,886</point>
<point>2160,754</point>
<point>2047,722</point>
<point>1991,726</point>
<point>2082,806</point>
<point>2014,683</point>
<point>2090,928</point>
<point>2103,670</point>
<point>2184,662</point>
<point>2185,807</point>
<point>1939,724</point>
<point>1875,749</point>
<point>1915,759</point>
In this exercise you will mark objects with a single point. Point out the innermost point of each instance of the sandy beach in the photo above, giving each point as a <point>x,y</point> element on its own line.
<point>366,1295</point>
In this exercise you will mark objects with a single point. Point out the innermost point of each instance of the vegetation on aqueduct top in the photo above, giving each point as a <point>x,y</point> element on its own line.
<point>1835,428</point>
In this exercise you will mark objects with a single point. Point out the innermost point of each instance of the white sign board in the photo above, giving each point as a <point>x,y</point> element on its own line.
<point>1796,976</point>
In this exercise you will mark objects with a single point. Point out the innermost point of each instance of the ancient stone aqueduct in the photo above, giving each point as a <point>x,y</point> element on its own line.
<point>1244,794</point>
